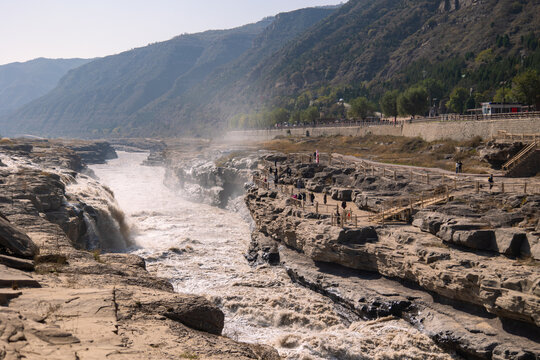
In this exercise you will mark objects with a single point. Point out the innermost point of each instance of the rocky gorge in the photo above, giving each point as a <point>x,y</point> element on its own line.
<point>463,272</point>
<point>65,295</point>
<point>455,280</point>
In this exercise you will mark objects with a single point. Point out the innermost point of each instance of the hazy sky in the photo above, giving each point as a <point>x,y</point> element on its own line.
<point>91,28</point>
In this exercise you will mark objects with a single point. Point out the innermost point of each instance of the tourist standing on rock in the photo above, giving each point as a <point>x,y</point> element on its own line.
<point>457,167</point>
<point>317,156</point>
<point>490,181</point>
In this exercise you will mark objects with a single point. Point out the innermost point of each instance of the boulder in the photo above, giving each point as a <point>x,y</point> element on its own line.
<point>262,249</point>
<point>197,313</point>
<point>533,249</point>
<point>341,194</point>
<point>314,186</point>
<point>357,236</point>
<point>509,241</point>
<point>429,221</point>
<point>450,226</point>
<point>14,241</point>
<point>474,239</point>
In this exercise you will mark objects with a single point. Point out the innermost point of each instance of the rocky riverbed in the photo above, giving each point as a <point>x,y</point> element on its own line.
<point>452,280</point>
<point>464,272</point>
<point>64,296</point>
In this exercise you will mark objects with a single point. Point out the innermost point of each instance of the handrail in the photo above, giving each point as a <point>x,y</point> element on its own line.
<point>505,135</point>
<point>422,203</point>
<point>515,160</point>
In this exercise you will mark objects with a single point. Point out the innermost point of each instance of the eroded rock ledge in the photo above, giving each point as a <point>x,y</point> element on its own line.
<point>464,254</point>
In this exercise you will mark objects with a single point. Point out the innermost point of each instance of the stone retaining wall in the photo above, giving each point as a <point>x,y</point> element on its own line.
<point>429,131</point>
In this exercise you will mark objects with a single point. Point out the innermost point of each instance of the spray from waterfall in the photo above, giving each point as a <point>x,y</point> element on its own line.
<point>106,224</point>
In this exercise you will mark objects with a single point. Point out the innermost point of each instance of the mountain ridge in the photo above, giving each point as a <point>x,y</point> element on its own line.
<point>22,82</point>
<point>194,84</point>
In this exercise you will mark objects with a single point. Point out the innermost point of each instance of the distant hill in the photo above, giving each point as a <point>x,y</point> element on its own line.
<point>21,83</point>
<point>125,94</point>
<point>374,42</point>
<point>193,84</point>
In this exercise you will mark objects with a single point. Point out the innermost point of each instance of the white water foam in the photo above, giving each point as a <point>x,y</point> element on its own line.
<point>200,249</point>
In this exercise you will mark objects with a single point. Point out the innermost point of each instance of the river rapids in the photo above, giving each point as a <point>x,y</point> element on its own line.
<point>200,249</point>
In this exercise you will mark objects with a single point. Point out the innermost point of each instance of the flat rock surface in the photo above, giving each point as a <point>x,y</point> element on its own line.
<point>10,277</point>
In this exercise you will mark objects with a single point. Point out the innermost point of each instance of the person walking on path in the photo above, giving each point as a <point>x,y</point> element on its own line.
<point>344,204</point>
<point>457,167</point>
<point>490,181</point>
<point>312,198</point>
<point>324,198</point>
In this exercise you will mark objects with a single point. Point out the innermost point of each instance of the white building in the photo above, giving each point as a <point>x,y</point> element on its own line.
<point>489,108</point>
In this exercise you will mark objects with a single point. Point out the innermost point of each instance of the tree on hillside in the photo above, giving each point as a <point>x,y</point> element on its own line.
<point>458,100</point>
<point>503,95</point>
<point>526,88</point>
<point>279,116</point>
<point>389,103</point>
<point>414,101</point>
<point>434,88</point>
<point>296,117</point>
<point>361,107</point>
<point>310,114</point>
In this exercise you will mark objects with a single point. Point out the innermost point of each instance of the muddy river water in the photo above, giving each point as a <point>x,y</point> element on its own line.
<point>200,249</point>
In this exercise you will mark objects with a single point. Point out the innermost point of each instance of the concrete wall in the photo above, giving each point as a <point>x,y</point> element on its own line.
<point>429,131</point>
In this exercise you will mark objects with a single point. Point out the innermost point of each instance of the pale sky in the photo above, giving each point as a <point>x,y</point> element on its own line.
<point>94,28</point>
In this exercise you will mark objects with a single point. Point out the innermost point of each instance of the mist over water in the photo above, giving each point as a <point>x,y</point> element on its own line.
<point>200,249</point>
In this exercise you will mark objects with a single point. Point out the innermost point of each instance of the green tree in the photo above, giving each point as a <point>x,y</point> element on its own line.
<point>296,117</point>
<point>310,114</point>
<point>526,88</point>
<point>279,116</point>
<point>414,101</point>
<point>302,102</point>
<point>470,103</point>
<point>361,107</point>
<point>389,103</point>
<point>503,95</point>
<point>434,88</point>
<point>458,100</point>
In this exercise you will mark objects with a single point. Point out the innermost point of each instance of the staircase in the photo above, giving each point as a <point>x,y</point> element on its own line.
<point>407,210</point>
<point>512,165</point>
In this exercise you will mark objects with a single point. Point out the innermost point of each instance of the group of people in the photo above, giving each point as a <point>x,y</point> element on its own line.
<point>303,196</point>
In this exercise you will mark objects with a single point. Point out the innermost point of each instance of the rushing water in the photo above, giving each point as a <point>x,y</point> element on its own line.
<point>200,249</point>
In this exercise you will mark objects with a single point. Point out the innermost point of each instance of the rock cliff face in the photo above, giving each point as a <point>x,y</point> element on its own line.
<point>463,253</point>
<point>213,177</point>
<point>68,302</point>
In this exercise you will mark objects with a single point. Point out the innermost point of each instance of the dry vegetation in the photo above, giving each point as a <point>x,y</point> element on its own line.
<point>390,149</point>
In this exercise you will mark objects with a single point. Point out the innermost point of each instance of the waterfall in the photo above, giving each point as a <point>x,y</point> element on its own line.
<point>107,228</point>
